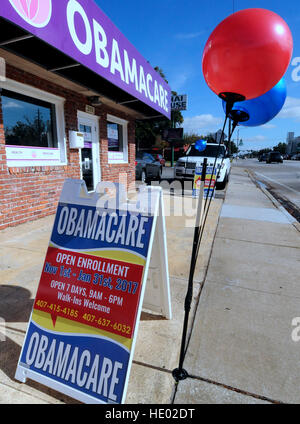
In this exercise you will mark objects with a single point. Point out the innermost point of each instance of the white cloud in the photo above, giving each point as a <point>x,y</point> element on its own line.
<point>267,126</point>
<point>256,138</point>
<point>203,123</point>
<point>291,109</point>
<point>11,104</point>
<point>188,35</point>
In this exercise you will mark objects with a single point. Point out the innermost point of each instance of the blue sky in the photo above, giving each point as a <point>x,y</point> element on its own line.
<point>172,34</point>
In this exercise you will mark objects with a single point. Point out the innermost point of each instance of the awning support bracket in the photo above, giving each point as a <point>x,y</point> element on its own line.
<point>16,40</point>
<point>60,68</point>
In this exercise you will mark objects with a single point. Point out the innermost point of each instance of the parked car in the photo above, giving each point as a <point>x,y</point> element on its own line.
<point>274,157</point>
<point>185,166</point>
<point>147,168</point>
<point>296,156</point>
<point>262,157</point>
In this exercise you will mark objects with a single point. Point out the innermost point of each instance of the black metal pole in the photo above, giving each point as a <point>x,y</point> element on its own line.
<point>180,373</point>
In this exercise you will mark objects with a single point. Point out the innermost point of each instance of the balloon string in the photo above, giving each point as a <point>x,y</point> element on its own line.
<point>206,212</point>
<point>202,227</point>
<point>215,161</point>
<point>179,373</point>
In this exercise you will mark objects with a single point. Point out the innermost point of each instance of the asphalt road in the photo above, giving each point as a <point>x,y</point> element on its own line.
<point>282,179</point>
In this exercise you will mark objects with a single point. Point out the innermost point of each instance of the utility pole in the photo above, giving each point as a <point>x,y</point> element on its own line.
<point>229,137</point>
<point>173,125</point>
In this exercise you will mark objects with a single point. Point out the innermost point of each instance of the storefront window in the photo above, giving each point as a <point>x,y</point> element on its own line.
<point>114,135</point>
<point>117,140</point>
<point>34,126</point>
<point>28,121</point>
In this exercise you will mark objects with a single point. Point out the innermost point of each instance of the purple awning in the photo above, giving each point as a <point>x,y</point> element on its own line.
<point>80,30</point>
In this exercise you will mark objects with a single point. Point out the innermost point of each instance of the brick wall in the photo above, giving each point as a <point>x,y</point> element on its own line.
<point>28,193</point>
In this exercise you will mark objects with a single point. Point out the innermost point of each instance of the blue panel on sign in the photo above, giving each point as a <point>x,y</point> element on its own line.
<point>94,365</point>
<point>82,227</point>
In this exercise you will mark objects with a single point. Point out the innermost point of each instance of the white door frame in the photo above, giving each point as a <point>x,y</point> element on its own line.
<point>92,120</point>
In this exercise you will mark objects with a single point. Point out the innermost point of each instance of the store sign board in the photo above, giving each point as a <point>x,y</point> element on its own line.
<point>83,327</point>
<point>82,31</point>
<point>179,102</point>
<point>172,134</point>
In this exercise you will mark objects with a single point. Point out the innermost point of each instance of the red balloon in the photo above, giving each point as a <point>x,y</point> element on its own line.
<point>247,53</point>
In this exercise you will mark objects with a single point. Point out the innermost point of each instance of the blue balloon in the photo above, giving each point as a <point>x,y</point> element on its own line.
<point>261,109</point>
<point>200,145</point>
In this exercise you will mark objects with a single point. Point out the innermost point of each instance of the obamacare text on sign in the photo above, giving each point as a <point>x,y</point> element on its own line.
<point>81,30</point>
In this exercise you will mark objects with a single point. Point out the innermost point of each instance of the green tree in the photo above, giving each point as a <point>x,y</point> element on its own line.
<point>232,147</point>
<point>281,147</point>
<point>262,151</point>
<point>147,132</point>
<point>192,137</point>
<point>29,131</point>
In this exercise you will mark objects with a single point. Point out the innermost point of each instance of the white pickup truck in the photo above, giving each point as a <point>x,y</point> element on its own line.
<point>185,166</point>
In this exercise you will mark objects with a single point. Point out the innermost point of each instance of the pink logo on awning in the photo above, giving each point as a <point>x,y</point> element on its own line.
<point>36,12</point>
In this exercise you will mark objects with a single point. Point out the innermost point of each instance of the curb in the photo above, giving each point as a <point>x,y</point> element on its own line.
<point>275,202</point>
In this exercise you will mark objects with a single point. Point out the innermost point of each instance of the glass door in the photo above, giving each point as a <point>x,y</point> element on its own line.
<point>89,155</point>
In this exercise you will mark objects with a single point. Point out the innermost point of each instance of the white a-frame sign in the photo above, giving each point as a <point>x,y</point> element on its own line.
<point>106,256</point>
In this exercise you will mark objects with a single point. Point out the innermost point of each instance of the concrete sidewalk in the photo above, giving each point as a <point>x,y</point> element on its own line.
<point>241,349</point>
<point>246,293</point>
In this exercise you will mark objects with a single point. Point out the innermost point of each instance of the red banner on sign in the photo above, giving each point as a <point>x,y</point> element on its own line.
<point>92,290</point>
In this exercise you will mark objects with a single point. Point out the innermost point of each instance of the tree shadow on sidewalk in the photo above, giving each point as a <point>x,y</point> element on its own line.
<point>15,307</point>
<point>15,303</point>
<point>9,356</point>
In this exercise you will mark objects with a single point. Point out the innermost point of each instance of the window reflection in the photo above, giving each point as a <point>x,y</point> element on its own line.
<point>28,121</point>
<point>115,137</point>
